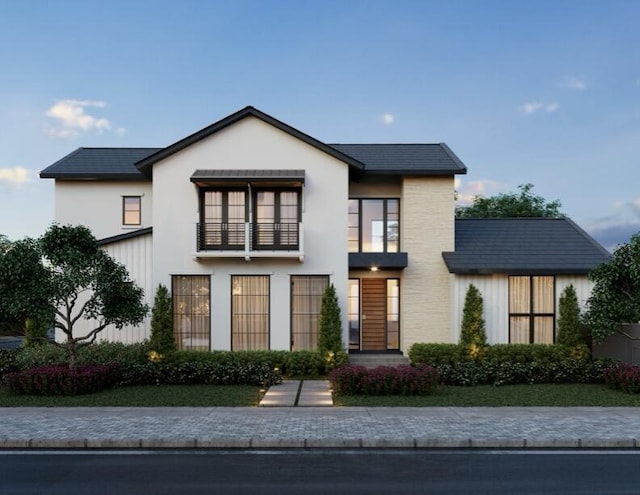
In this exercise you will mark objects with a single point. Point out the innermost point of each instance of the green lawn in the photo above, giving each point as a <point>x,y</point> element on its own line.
<point>510,395</point>
<point>146,396</point>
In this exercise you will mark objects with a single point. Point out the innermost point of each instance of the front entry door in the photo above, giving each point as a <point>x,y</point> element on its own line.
<point>374,314</point>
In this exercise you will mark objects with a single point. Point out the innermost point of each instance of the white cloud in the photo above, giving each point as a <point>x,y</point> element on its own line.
<point>15,176</point>
<point>532,107</point>
<point>72,118</point>
<point>575,83</point>
<point>388,118</point>
<point>466,192</point>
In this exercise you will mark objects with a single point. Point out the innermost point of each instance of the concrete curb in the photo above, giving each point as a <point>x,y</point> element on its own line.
<point>315,443</point>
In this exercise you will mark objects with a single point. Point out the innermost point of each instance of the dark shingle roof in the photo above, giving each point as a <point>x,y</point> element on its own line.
<point>99,163</point>
<point>405,159</point>
<point>522,246</point>
<point>136,163</point>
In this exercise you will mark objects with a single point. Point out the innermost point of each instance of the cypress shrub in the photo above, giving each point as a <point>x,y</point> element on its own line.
<point>162,340</point>
<point>569,326</point>
<point>472,332</point>
<point>330,334</point>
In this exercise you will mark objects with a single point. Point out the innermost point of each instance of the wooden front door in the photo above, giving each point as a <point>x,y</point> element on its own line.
<point>374,335</point>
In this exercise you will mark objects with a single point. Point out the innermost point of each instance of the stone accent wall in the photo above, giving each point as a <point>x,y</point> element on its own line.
<point>427,229</point>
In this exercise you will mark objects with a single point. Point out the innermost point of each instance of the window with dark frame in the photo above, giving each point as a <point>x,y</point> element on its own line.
<point>191,311</point>
<point>224,214</point>
<point>531,309</point>
<point>250,300</point>
<point>374,225</point>
<point>131,210</point>
<point>306,302</point>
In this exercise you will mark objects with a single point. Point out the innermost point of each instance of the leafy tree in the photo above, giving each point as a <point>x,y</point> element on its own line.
<point>615,298</point>
<point>69,278</point>
<point>522,204</point>
<point>330,333</point>
<point>162,339</point>
<point>472,331</point>
<point>23,287</point>
<point>569,325</point>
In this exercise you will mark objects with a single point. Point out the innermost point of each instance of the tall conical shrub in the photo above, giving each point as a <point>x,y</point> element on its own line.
<point>472,331</point>
<point>162,339</point>
<point>569,326</point>
<point>330,332</point>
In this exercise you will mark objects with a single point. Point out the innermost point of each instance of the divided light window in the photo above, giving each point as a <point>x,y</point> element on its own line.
<point>306,302</point>
<point>277,215</point>
<point>374,225</point>
<point>249,312</point>
<point>531,310</point>
<point>223,214</point>
<point>191,311</point>
<point>131,210</point>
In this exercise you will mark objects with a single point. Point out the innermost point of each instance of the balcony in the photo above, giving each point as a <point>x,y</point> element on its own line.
<point>249,240</point>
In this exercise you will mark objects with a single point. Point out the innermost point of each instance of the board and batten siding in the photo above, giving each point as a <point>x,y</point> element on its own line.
<point>136,255</point>
<point>494,290</point>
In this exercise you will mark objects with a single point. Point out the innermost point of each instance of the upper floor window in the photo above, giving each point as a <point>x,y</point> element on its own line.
<point>131,210</point>
<point>374,225</point>
<point>273,216</point>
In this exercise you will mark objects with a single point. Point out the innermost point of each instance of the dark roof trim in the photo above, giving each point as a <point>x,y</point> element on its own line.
<point>123,237</point>
<point>218,176</point>
<point>416,173</point>
<point>382,261</point>
<point>145,164</point>
<point>95,176</point>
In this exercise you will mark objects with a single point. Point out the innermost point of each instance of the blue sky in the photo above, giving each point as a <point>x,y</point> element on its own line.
<point>542,92</point>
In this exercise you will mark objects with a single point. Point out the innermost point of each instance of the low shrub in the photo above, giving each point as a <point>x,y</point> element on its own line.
<point>7,362</point>
<point>60,380</point>
<point>384,380</point>
<point>623,377</point>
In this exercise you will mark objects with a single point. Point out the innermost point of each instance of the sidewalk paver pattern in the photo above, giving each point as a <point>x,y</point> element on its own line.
<point>319,426</point>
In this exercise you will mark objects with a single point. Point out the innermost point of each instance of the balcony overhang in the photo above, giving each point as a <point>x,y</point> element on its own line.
<point>378,261</point>
<point>238,177</point>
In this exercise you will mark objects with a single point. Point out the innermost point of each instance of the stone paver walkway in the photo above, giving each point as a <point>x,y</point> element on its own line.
<point>306,393</point>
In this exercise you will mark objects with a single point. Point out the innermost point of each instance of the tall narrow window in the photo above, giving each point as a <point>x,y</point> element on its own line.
<point>353,313</point>
<point>306,302</point>
<point>249,312</point>
<point>531,310</point>
<point>277,217</point>
<point>131,210</point>
<point>222,219</point>
<point>191,311</point>
<point>393,314</point>
<point>374,225</point>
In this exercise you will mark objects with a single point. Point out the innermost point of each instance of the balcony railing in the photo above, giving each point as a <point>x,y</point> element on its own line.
<point>249,240</point>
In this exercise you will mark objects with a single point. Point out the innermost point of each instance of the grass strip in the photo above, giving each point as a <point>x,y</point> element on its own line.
<point>145,396</point>
<point>556,395</point>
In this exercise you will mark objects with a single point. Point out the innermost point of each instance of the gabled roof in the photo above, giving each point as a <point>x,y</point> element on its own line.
<point>523,246</point>
<point>405,159</point>
<point>375,159</point>
<point>145,164</point>
<point>123,237</point>
<point>99,163</point>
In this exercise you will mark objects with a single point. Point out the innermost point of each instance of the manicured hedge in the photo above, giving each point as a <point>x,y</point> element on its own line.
<point>623,377</point>
<point>60,380</point>
<point>384,380</point>
<point>510,364</point>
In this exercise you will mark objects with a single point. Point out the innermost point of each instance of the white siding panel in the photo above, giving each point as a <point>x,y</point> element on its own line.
<point>494,290</point>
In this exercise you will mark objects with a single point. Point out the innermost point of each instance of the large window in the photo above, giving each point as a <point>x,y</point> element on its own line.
<point>274,215</point>
<point>223,215</point>
<point>531,310</point>
<point>191,313</point>
<point>353,313</point>
<point>374,225</point>
<point>306,302</point>
<point>131,210</point>
<point>249,312</point>
<point>276,219</point>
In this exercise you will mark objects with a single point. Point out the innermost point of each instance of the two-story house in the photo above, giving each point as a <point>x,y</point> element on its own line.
<point>248,220</point>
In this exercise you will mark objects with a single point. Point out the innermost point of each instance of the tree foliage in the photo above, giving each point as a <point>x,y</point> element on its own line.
<point>522,204</point>
<point>65,277</point>
<point>472,332</point>
<point>330,333</point>
<point>615,297</point>
<point>569,324</point>
<point>162,339</point>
